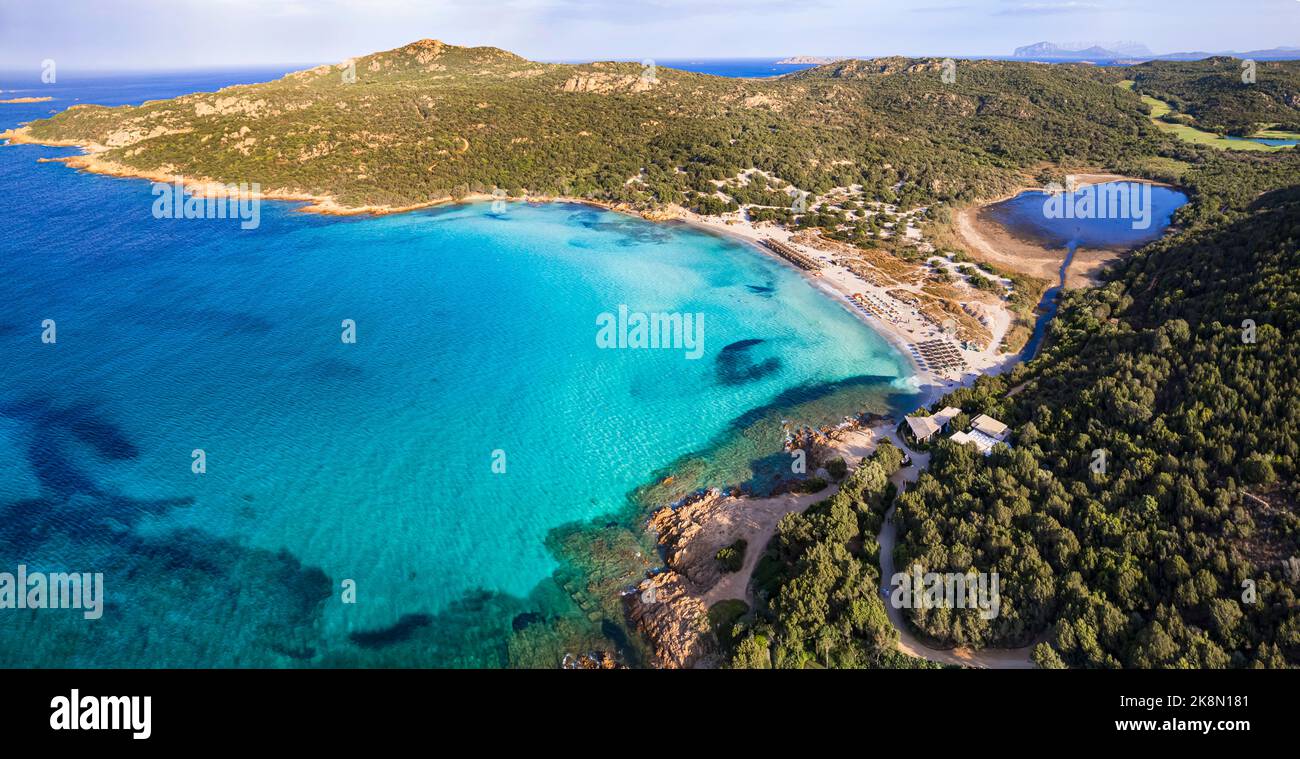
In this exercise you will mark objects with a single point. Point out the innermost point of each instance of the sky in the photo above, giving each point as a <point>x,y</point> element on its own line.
<point>116,35</point>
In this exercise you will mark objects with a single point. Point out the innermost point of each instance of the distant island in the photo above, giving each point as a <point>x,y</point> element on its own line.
<point>1130,52</point>
<point>804,60</point>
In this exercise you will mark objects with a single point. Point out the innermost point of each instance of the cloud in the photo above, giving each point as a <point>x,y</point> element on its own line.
<point>1049,8</point>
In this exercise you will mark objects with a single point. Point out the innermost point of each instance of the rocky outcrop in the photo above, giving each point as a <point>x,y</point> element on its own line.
<point>603,84</point>
<point>675,622</point>
<point>690,545</point>
<point>592,660</point>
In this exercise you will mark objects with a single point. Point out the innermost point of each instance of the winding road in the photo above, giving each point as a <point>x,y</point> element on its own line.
<point>988,658</point>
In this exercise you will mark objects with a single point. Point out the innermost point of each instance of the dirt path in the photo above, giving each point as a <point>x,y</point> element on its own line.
<point>756,523</point>
<point>756,519</point>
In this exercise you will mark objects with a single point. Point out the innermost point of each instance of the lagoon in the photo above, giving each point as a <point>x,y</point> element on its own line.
<point>1032,215</point>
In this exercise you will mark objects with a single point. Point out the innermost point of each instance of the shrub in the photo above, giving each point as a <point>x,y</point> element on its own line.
<point>732,557</point>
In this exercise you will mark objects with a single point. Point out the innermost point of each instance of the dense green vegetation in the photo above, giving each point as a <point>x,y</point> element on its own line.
<point>1212,92</point>
<point>816,587</point>
<point>431,121</point>
<point>1181,373</point>
<point>731,558</point>
<point>1149,562</point>
<point>1146,513</point>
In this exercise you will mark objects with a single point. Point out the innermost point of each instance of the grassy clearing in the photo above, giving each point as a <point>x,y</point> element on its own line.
<point>1160,109</point>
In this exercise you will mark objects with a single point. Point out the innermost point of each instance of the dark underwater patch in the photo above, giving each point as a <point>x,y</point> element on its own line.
<point>108,439</point>
<point>52,430</point>
<point>336,369</point>
<point>735,366</point>
<point>167,593</point>
<point>525,620</point>
<point>397,632</point>
<point>631,232</point>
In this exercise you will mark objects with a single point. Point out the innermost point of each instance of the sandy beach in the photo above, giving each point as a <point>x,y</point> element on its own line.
<point>905,330</point>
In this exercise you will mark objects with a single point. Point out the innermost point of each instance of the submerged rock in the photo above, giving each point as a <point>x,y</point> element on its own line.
<point>522,621</point>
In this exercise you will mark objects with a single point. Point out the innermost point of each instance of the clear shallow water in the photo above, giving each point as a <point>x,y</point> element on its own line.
<point>370,462</point>
<point>1024,216</point>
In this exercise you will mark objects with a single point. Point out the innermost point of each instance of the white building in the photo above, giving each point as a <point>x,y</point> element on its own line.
<point>989,426</point>
<point>925,427</point>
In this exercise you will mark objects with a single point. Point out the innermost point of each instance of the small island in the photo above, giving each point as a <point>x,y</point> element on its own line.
<point>806,60</point>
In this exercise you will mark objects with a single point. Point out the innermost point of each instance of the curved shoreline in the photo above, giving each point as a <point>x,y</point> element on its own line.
<point>931,386</point>
<point>325,205</point>
<point>1027,256</point>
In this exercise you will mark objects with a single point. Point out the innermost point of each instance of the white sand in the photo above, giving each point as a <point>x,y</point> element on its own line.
<point>908,329</point>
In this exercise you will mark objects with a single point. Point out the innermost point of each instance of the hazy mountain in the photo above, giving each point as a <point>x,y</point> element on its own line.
<point>1093,52</point>
<point>816,60</point>
<point>1134,51</point>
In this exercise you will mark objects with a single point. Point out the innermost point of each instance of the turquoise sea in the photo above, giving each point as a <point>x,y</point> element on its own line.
<point>371,461</point>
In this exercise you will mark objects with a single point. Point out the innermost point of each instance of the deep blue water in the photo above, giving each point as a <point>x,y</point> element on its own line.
<point>370,462</point>
<point>737,67</point>
<point>1028,216</point>
<point>733,67</point>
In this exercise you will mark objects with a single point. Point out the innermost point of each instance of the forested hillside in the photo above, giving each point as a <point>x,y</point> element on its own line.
<point>430,121</point>
<point>1180,374</point>
<point>1149,563</point>
<point>1145,514</point>
<point>1183,372</point>
<point>1214,93</point>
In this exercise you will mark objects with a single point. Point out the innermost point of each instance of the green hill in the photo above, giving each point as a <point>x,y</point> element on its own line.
<point>430,121</point>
